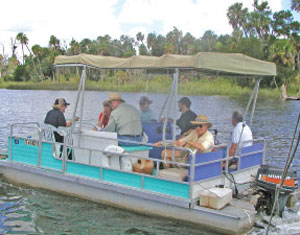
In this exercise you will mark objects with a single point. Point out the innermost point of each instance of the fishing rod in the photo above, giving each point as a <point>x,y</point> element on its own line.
<point>288,163</point>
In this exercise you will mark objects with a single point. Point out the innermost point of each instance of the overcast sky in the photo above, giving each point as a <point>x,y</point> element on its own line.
<point>67,19</point>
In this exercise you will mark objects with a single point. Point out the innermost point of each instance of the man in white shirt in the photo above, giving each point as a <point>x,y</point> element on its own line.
<point>241,134</point>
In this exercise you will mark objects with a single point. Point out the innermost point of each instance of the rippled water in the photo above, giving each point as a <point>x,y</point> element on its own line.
<point>28,211</point>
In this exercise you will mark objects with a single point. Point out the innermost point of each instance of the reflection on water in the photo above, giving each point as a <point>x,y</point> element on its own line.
<point>29,211</point>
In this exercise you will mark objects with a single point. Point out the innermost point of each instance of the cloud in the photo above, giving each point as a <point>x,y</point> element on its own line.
<point>194,16</point>
<point>90,18</point>
<point>65,19</point>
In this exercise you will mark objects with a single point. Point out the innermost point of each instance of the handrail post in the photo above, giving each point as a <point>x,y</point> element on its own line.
<point>64,156</point>
<point>11,142</point>
<point>226,165</point>
<point>264,153</point>
<point>192,174</point>
<point>40,147</point>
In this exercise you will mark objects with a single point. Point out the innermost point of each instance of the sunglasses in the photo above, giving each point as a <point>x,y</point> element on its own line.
<point>198,125</point>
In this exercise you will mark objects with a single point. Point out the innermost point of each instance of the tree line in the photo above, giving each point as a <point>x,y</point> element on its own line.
<point>259,33</point>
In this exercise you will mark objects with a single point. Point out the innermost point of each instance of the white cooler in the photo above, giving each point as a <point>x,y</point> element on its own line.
<point>215,198</point>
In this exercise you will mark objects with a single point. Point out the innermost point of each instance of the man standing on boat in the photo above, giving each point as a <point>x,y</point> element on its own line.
<point>187,115</point>
<point>241,134</point>
<point>125,120</point>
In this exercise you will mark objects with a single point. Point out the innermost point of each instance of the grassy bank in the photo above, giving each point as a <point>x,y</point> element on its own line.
<point>222,87</point>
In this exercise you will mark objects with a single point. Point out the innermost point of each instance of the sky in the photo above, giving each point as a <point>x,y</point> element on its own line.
<point>67,19</point>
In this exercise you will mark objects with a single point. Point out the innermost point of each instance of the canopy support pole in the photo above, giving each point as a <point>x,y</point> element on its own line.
<point>82,103</point>
<point>166,101</point>
<point>254,102</point>
<point>253,99</point>
<point>169,106</point>
<point>80,87</point>
<point>176,76</point>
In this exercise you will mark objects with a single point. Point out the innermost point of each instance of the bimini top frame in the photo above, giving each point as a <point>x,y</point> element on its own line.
<point>227,64</point>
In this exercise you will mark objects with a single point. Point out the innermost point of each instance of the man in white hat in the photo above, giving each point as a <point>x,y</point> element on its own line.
<point>125,120</point>
<point>199,139</point>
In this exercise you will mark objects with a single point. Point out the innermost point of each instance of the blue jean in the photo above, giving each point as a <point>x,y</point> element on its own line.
<point>121,143</point>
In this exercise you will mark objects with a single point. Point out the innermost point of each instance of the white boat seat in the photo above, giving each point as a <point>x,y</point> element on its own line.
<point>178,174</point>
<point>94,140</point>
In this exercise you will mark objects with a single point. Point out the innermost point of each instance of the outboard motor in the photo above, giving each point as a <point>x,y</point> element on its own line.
<point>267,179</point>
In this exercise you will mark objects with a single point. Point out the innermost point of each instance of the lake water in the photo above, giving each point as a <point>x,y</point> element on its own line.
<point>26,210</point>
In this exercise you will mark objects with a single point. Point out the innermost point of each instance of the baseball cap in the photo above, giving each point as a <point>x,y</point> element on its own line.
<point>61,101</point>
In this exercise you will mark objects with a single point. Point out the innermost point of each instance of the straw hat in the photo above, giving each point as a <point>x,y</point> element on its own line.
<point>202,119</point>
<point>115,96</point>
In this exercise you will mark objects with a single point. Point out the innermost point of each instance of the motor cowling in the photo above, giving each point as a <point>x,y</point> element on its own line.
<point>267,181</point>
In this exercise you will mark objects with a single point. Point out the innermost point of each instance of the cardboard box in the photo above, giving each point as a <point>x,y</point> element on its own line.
<point>215,198</point>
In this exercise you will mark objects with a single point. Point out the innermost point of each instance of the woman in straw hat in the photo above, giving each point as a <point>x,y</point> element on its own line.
<point>199,139</point>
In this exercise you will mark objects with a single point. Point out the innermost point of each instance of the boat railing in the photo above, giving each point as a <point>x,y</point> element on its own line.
<point>191,165</point>
<point>254,148</point>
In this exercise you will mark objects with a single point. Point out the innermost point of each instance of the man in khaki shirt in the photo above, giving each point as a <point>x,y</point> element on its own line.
<point>199,139</point>
<point>125,120</point>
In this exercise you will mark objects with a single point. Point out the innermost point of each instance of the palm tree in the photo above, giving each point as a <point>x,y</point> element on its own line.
<point>188,44</point>
<point>175,37</point>
<point>37,51</point>
<point>295,5</point>
<point>75,48</point>
<point>260,19</point>
<point>54,43</point>
<point>238,17</point>
<point>22,38</point>
<point>140,37</point>
<point>283,52</point>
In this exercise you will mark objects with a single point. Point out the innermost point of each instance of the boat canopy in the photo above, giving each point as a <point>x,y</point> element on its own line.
<point>228,63</point>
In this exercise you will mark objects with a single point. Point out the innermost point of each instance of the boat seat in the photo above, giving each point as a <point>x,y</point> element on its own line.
<point>250,156</point>
<point>94,140</point>
<point>178,174</point>
<point>153,129</point>
<point>141,151</point>
<point>212,167</point>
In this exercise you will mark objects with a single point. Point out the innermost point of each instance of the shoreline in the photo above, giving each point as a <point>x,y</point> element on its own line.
<point>206,88</point>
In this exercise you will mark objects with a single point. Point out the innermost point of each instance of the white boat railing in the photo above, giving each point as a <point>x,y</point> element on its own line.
<point>70,145</point>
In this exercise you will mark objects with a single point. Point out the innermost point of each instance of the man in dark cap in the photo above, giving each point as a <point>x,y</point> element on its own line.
<point>56,118</point>
<point>184,122</point>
